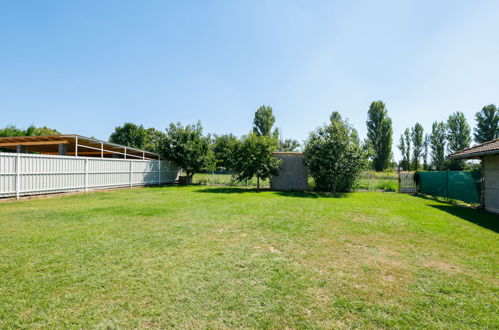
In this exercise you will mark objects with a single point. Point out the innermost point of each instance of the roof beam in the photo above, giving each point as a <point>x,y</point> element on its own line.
<point>31,143</point>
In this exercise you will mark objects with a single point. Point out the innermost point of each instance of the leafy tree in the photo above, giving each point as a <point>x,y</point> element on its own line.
<point>437,146</point>
<point>289,145</point>
<point>334,156</point>
<point>487,121</point>
<point>32,130</point>
<point>417,134</point>
<point>426,146</point>
<point>405,149</point>
<point>187,148</point>
<point>129,135</point>
<point>379,133</point>
<point>154,139</point>
<point>253,157</point>
<point>458,137</point>
<point>223,149</point>
<point>263,122</point>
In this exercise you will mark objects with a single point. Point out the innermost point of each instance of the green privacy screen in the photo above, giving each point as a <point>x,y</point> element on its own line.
<point>464,186</point>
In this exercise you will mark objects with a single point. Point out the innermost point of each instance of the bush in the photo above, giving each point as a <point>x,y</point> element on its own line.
<point>334,156</point>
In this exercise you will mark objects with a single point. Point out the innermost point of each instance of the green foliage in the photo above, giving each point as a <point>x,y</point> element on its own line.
<point>289,145</point>
<point>32,130</point>
<point>223,149</point>
<point>187,148</point>
<point>458,137</point>
<point>154,138</point>
<point>263,122</point>
<point>426,147</point>
<point>379,134</point>
<point>487,121</point>
<point>405,149</point>
<point>130,135</point>
<point>437,146</point>
<point>334,156</point>
<point>417,134</point>
<point>253,157</point>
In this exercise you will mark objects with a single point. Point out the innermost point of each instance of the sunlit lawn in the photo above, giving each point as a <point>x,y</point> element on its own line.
<point>230,257</point>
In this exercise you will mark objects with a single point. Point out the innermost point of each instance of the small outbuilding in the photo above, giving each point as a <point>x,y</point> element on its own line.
<point>488,152</point>
<point>293,174</point>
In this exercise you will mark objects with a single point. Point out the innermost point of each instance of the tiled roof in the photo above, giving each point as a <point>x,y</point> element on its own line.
<point>487,148</point>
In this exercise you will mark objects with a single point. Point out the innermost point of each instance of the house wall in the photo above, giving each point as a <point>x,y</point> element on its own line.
<point>491,183</point>
<point>293,174</point>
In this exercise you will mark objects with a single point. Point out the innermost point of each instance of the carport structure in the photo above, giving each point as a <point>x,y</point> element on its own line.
<point>73,145</point>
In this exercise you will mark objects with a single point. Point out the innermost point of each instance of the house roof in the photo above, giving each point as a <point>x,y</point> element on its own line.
<point>487,148</point>
<point>76,145</point>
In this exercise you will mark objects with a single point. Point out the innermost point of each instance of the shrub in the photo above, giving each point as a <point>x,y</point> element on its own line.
<point>334,156</point>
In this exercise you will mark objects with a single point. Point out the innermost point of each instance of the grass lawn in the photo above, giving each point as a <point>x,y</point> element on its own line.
<point>229,257</point>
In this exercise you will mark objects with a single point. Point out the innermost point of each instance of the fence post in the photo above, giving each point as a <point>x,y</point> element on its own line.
<point>447,187</point>
<point>86,174</point>
<point>18,171</point>
<point>159,171</point>
<point>131,173</point>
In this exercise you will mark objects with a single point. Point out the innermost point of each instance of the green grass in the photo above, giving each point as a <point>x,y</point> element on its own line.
<point>220,257</point>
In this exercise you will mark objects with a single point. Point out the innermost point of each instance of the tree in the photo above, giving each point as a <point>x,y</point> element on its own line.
<point>223,150</point>
<point>417,135</point>
<point>487,121</point>
<point>437,146</point>
<point>253,157</point>
<point>405,149</point>
<point>154,139</point>
<point>263,122</point>
<point>32,130</point>
<point>289,145</point>
<point>187,148</point>
<point>426,146</point>
<point>129,135</point>
<point>379,133</point>
<point>334,156</point>
<point>458,137</point>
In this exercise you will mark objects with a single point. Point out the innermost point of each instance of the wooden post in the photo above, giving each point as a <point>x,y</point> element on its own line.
<point>101,150</point>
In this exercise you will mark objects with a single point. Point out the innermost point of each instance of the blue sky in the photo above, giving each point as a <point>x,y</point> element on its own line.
<point>87,66</point>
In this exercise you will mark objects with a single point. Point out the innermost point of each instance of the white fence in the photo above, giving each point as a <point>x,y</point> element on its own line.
<point>407,183</point>
<point>33,174</point>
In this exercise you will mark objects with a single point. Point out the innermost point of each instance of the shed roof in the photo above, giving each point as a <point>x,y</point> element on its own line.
<point>487,148</point>
<point>77,145</point>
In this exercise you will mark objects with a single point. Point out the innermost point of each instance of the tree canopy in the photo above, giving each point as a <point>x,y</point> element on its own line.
<point>379,134</point>
<point>131,135</point>
<point>253,158</point>
<point>223,150</point>
<point>264,121</point>
<point>458,137</point>
<point>188,148</point>
<point>289,145</point>
<point>437,146</point>
<point>487,124</point>
<point>334,156</point>
<point>417,138</point>
<point>12,130</point>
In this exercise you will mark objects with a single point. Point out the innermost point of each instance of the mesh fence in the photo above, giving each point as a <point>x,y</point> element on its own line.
<point>460,185</point>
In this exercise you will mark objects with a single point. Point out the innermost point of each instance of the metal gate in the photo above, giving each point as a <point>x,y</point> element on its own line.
<point>407,184</point>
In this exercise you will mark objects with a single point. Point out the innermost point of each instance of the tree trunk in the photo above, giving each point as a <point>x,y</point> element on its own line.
<point>257,183</point>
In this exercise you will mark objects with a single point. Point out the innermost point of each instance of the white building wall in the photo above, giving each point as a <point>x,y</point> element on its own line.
<point>32,174</point>
<point>491,189</point>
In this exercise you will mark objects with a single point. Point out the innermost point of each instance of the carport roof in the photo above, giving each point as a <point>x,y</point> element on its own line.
<point>487,148</point>
<point>76,145</point>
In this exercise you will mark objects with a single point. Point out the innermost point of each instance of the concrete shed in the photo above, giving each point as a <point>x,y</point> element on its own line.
<point>293,175</point>
<point>488,152</point>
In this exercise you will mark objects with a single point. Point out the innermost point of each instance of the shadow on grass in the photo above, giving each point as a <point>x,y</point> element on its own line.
<point>474,215</point>
<point>299,194</point>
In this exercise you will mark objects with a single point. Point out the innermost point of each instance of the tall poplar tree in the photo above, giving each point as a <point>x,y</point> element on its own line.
<point>458,137</point>
<point>487,124</point>
<point>417,135</point>
<point>437,146</point>
<point>379,134</point>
